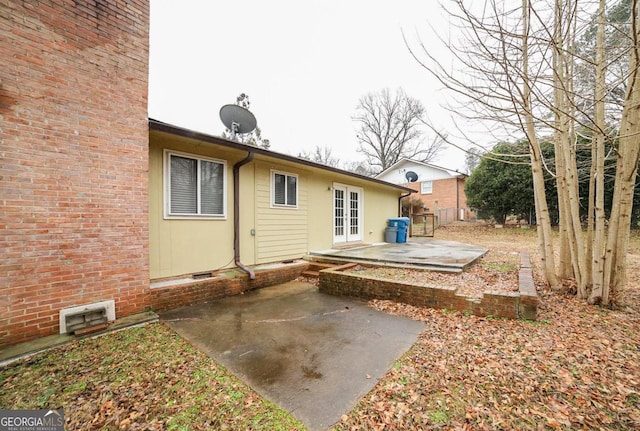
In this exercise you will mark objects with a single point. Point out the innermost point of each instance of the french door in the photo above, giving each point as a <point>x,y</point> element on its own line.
<point>347,213</point>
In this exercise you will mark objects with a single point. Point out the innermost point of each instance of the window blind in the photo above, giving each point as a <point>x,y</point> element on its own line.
<point>184,192</point>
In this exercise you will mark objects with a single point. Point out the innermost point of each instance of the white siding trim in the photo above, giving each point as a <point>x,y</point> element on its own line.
<point>272,187</point>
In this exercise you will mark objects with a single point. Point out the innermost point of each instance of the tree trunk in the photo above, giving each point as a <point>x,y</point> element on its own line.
<point>545,239</point>
<point>615,269</point>
<point>596,182</point>
<point>572,257</point>
<point>591,199</point>
<point>560,140</point>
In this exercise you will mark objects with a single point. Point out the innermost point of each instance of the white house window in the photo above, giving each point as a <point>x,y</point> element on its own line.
<point>284,190</point>
<point>426,187</point>
<point>195,186</point>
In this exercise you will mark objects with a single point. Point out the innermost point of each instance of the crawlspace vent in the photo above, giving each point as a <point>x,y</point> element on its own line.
<point>85,316</point>
<point>85,319</point>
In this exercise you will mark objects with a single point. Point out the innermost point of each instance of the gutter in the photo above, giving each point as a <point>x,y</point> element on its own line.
<point>236,215</point>
<point>159,126</point>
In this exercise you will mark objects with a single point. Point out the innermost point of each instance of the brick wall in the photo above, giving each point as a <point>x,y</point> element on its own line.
<point>73,160</point>
<point>448,193</point>
<point>512,305</point>
<point>231,282</point>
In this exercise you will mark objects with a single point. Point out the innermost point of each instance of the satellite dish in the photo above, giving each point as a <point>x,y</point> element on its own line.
<point>411,176</point>
<point>237,119</point>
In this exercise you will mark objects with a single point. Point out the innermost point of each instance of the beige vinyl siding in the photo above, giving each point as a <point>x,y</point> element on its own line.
<point>378,204</point>
<point>281,233</point>
<point>185,246</point>
<point>179,247</point>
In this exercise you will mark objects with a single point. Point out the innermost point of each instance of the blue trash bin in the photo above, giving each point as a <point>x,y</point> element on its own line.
<point>403,229</point>
<point>402,223</point>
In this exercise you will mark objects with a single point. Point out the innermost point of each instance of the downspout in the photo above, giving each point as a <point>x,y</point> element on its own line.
<point>236,215</point>
<point>400,203</point>
<point>457,198</point>
<point>400,210</point>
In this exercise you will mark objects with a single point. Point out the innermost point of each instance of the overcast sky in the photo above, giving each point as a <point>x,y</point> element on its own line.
<point>304,65</point>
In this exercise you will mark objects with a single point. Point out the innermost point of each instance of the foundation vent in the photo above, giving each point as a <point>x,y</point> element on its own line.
<point>201,275</point>
<point>84,317</point>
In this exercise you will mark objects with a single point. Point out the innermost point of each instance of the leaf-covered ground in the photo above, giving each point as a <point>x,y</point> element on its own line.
<point>577,367</point>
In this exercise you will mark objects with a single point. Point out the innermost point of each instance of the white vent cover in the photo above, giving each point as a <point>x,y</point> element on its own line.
<point>109,306</point>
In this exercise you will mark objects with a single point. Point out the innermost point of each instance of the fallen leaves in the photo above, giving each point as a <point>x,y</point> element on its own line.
<point>496,271</point>
<point>577,367</point>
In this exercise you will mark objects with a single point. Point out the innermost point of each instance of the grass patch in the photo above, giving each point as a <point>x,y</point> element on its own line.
<point>144,378</point>
<point>439,417</point>
<point>501,267</point>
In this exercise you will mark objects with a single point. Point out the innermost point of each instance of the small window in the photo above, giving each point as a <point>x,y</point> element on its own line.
<point>195,186</point>
<point>426,187</point>
<point>284,190</point>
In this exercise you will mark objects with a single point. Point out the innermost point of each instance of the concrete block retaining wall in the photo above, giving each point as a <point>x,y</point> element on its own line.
<point>512,305</point>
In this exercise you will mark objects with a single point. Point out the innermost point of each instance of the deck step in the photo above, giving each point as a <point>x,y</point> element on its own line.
<point>314,268</point>
<point>321,265</point>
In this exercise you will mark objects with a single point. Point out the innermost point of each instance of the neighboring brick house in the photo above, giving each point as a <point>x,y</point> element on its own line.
<point>73,160</point>
<point>440,191</point>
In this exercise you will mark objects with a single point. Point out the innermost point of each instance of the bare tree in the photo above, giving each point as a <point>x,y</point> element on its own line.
<point>522,102</point>
<point>323,155</point>
<point>472,159</point>
<point>389,129</point>
<point>609,33</point>
<point>518,74</point>
<point>596,216</point>
<point>615,269</point>
<point>359,167</point>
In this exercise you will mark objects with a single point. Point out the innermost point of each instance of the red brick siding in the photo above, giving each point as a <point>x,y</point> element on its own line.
<point>73,160</point>
<point>446,193</point>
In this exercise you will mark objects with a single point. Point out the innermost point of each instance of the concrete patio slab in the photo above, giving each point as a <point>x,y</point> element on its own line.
<point>424,253</point>
<point>313,354</point>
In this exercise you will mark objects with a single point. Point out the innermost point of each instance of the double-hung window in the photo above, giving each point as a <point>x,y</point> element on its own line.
<point>195,186</point>
<point>284,190</point>
<point>426,187</point>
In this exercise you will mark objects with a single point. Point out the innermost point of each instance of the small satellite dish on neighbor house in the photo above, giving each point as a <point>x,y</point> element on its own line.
<point>411,176</point>
<point>237,119</point>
